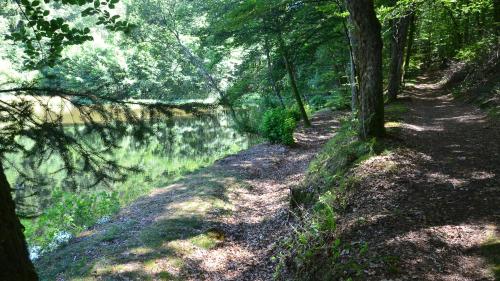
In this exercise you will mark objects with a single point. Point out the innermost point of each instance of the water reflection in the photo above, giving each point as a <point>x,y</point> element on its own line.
<point>180,144</point>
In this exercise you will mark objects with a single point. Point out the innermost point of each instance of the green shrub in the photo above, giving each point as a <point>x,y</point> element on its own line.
<point>278,125</point>
<point>294,111</point>
<point>340,100</point>
<point>474,52</point>
<point>319,101</point>
<point>313,252</point>
<point>72,213</point>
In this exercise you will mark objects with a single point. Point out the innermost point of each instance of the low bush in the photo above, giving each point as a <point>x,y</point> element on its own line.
<point>340,100</point>
<point>278,125</point>
<point>70,213</point>
<point>294,111</point>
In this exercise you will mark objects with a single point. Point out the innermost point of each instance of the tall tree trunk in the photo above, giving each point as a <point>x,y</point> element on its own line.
<point>198,63</point>
<point>496,7</point>
<point>295,90</point>
<point>14,258</point>
<point>398,43</point>
<point>351,41</point>
<point>354,87</point>
<point>353,45</point>
<point>272,82</point>
<point>367,30</point>
<point>409,48</point>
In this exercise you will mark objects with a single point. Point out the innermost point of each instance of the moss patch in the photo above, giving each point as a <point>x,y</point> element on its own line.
<point>491,251</point>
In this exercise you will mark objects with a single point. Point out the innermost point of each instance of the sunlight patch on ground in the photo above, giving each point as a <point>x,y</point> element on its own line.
<point>393,125</point>
<point>482,175</point>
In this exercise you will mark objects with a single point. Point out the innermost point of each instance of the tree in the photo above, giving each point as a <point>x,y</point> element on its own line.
<point>399,33</point>
<point>264,23</point>
<point>291,75</point>
<point>367,30</point>
<point>496,6</point>
<point>43,39</point>
<point>14,257</point>
<point>409,47</point>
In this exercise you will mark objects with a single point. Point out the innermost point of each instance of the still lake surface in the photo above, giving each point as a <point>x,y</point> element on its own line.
<point>182,144</point>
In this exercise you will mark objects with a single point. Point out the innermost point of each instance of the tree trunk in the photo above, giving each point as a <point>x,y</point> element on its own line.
<point>295,90</point>
<point>14,258</point>
<point>272,82</point>
<point>398,42</point>
<point>351,41</point>
<point>496,7</point>
<point>354,87</point>
<point>367,31</point>
<point>409,48</point>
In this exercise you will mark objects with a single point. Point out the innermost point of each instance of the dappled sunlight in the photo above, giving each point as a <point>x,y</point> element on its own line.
<point>482,175</point>
<point>417,128</point>
<point>209,224</point>
<point>433,202</point>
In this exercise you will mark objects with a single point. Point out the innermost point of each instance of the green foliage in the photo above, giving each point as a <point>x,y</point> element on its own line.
<point>278,125</point>
<point>294,111</point>
<point>314,252</point>
<point>71,212</point>
<point>478,50</point>
<point>491,251</point>
<point>44,36</point>
<point>339,101</point>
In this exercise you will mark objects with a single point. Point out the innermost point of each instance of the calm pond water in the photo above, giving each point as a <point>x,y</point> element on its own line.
<point>181,145</point>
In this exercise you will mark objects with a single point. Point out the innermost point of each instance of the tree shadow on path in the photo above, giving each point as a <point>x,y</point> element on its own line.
<point>429,209</point>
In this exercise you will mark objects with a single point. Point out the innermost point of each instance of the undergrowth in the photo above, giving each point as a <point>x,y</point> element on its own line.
<point>314,250</point>
<point>278,125</point>
<point>480,83</point>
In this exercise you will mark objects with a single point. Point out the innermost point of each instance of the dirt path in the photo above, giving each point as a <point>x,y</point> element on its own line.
<point>261,213</point>
<point>218,224</point>
<point>431,209</point>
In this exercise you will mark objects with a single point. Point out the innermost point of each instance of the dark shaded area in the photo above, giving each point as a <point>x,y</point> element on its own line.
<point>424,218</point>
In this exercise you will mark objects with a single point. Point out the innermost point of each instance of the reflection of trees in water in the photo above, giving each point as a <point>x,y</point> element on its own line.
<point>175,140</point>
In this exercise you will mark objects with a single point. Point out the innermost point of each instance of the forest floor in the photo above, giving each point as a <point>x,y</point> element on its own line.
<point>430,208</point>
<point>220,223</point>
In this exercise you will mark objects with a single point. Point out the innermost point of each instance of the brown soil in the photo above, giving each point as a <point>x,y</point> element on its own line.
<point>430,210</point>
<point>262,210</point>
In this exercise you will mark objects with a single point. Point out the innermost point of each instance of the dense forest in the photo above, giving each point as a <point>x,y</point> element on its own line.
<point>178,139</point>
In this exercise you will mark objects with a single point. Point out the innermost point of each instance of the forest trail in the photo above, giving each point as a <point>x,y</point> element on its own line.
<point>220,223</point>
<point>430,210</point>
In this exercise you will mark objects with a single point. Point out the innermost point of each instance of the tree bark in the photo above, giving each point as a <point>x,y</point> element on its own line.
<point>14,258</point>
<point>354,87</point>
<point>409,48</point>
<point>496,7</point>
<point>352,66</point>
<point>295,90</point>
<point>367,31</point>
<point>351,41</point>
<point>398,43</point>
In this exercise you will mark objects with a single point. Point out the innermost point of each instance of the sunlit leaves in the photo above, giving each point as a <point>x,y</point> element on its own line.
<point>44,35</point>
